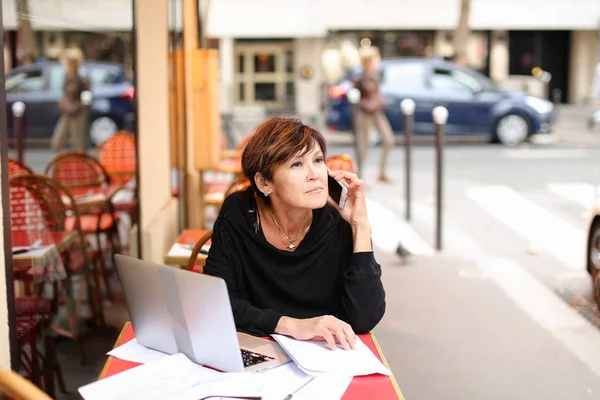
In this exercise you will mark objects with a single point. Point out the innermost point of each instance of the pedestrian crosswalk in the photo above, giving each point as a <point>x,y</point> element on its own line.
<point>533,222</point>
<point>584,194</point>
<point>489,226</point>
<point>388,228</point>
<point>553,217</point>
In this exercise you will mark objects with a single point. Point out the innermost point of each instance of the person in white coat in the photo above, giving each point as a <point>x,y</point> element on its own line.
<point>595,117</point>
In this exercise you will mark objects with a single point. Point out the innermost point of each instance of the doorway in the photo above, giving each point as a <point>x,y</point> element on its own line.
<point>264,74</point>
<point>549,50</point>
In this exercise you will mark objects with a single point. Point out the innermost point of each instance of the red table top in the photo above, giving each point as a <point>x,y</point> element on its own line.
<point>107,191</point>
<point>26,239</point>
<point>191,236</point>
<point>362,387</point>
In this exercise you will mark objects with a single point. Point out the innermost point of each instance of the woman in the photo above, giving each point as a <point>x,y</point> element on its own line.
<point>295,264</point>
<point>72,122</point>
<point>369,112</point>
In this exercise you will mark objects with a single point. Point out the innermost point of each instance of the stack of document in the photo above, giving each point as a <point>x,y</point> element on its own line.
<point>279,382</point>
<point>316,358</point>
<point>172,377</point>
<point>317,373</point>
<point>166,376</point>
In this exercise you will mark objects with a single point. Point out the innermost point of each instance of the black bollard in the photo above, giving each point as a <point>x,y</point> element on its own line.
<point>440,116</point>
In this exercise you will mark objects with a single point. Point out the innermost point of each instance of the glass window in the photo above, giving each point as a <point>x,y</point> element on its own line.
<point>240,62</point>
<point>457,80</point>
<point>478,80</point>
<point>30,81</point>
<point>56,76</point>
<point>264,62</point>
<point>242,95</point>
<point>264,92</point>
<point>447,81</point>
<point>99,76</point>
<point>290,93</point>
<point>403,77</point>
<point>289,61</point>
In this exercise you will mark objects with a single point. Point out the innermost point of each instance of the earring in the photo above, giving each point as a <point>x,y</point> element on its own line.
<point>267,194</point>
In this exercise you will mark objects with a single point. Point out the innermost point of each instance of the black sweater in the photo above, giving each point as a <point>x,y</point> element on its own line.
<point>321,277</point>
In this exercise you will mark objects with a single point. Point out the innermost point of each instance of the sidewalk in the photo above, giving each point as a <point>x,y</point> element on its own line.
<point>450,332</point>
<point>36,158</point>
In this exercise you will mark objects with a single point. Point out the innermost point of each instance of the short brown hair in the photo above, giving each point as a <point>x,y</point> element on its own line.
<point>274,142</point>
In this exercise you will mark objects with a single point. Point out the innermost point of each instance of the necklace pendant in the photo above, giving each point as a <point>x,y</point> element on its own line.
<point>291,246</point>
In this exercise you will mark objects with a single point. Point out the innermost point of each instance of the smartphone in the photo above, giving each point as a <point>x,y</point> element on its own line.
<point>337,191</point>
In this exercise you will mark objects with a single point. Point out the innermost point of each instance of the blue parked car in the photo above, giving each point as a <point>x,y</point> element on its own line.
<point>476,106</point>
<point>40,86</point>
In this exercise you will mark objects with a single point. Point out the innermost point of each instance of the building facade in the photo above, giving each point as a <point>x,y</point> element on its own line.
<point>280,54</point>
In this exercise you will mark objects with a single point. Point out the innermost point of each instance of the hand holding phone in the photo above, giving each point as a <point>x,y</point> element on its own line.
<point>337,191</point>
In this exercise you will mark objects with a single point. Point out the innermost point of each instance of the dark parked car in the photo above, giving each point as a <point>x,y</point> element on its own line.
<point>40,85</point>
<point>476,106</point>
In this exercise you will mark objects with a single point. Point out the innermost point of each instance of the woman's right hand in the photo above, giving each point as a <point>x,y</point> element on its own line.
<point>327,328</point>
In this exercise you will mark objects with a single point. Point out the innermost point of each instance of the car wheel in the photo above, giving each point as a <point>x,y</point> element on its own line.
<point>512,130</point>
<point>593,258</point>
<point>101,129</point>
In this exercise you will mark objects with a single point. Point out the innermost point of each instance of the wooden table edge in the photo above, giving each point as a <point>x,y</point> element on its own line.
<point>178,261</point>
<point>392,378</point>
<point>117,344</point>
<point>181,261</point>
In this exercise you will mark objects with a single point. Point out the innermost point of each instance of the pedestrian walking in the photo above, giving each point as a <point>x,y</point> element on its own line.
<point>594,119</point>
<point>72,122</point>
<point>368,113</point>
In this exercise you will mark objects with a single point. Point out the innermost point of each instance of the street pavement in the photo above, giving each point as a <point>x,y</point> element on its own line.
<point>504,310</point>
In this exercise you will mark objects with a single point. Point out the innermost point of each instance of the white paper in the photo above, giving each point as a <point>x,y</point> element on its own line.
<point>173,377</point>
<point>283,380</point>
<point>315,358</point>
<point>34,251</point>
<point>123,196</point>
<point>89,197</point>
<point>242,385</point>
<point>135,352</point>
<point>179,250</point>
<point>273,384</point>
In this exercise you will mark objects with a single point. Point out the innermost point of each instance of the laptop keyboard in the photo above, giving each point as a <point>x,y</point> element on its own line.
<point>250,358</point>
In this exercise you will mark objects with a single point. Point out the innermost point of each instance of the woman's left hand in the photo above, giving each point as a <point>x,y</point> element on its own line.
<point>355,209</point>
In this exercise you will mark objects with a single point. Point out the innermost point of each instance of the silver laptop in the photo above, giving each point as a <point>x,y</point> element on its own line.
<point>178,311</point>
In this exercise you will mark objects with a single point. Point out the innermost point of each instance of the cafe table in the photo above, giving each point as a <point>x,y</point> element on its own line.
<point>230,164</point>
<point>91,198</point>
<point>36,243</point>
<point>378,387</point>
<point>180,251</point>
<point>40,253</point>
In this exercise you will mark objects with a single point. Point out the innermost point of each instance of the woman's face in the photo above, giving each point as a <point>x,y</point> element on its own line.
<point>372,64</point>
<point>301,182</point>
<point>70,66</point>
